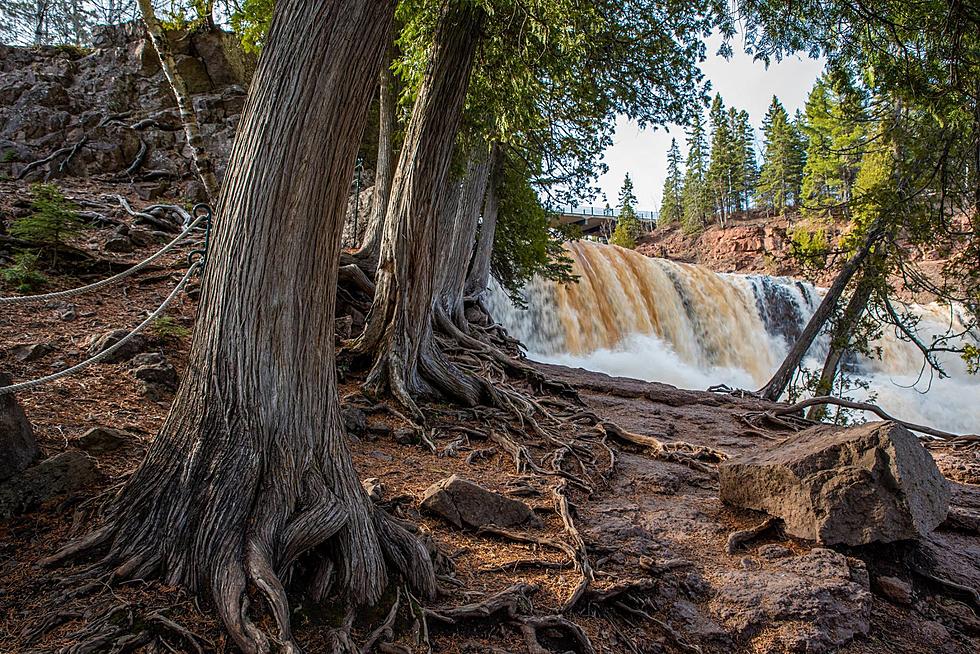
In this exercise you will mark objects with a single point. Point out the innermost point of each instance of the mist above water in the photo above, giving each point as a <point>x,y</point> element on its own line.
<point>658,320</point>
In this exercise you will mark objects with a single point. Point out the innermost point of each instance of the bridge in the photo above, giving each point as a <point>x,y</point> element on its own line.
<point>597,221</point>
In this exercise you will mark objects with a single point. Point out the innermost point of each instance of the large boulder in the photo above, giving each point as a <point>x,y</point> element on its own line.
<point>870,483</point>
<point>18,449</point>
<point>466,504</point>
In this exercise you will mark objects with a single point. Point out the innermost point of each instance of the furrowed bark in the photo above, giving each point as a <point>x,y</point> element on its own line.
<point>192,129</point>
<point>398,331</point>
<point>478,278</point>
<point>780,380</point>
<point>842,335</point>
<point>250,478</point>
<point>457,233</point>
<point>385,171</point>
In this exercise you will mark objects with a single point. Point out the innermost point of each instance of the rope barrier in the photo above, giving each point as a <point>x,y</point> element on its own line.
<point>29,385</point>
<point>204,216</point>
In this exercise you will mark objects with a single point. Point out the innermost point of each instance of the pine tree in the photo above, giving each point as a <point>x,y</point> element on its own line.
<point>834,134</point>
<point>671,207</point>
<point>627,224</point>
<point>745,170</point>
<point>696,200</point>
<point>719,176</point>
<point>781,164</point>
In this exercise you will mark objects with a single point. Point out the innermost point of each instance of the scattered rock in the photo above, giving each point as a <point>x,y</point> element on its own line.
<point>162,374</point>
<point>17,444</point>
<point>407,437</point>
<point>809,603</point>
<point>118,245</point>
<point>774,551</point>
<point>99,440</point>
<point>29,352</point>
<point>103,342</point>
<point>60,474</point>
<point>354,420</point>
<point>864,484</point>
<point>464,503</point>
<point>895,590</point>
<point>374,488</point>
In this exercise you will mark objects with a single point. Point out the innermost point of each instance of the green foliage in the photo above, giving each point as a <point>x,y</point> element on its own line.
<point>782,165</point>
<point>671,207</point>
<point>834,130</point>
<point>810,246</point>
<point>695,197</point>
<point>9,155</point>
<point>186,15</point>
<point>23,274</point>
<point>251,20</point>
<point>628,228</point>
<point>53,218</point>
<point>524,245</point>
<point>167,328</point>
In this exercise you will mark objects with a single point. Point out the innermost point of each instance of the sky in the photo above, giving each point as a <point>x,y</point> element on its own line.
<point>742,82</point>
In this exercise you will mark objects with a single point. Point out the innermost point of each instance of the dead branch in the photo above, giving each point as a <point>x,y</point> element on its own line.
<point>878,411</point>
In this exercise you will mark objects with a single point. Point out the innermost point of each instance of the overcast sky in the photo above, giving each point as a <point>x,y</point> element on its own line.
<point>742,82</point>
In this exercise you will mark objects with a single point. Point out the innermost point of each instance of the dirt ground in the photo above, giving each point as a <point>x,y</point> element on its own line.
<point>655,531</point>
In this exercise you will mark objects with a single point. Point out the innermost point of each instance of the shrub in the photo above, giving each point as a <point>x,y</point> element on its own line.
<point>23,274</point>
<point>53,218</point>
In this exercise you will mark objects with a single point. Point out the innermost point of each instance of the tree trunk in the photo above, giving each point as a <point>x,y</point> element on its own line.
<point>478,278</point>
<point>399,326</point>
<point>192,130</point>
<point>385,171</point>
<point>249,482</point>
<point>457,234</point>
<point>780,380</point>
<point>841,338</point>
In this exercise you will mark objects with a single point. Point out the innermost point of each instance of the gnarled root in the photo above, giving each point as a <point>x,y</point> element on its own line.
<point>697,457</point>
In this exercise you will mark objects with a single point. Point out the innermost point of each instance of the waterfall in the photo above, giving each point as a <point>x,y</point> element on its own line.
<point>682,324</point>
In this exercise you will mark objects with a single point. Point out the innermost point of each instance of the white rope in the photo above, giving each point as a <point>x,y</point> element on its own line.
<point>29,385</point>
<point>31,299</point>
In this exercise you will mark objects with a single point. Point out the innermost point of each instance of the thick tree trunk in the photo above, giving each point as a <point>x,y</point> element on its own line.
<point>841,337</point>
<point>457,234</point>
<point>478,278</point>
<point>399,326</point>
<point>780,380</point>
<point>371,244</point>
<point>250,482</point>
<point>192,130</point>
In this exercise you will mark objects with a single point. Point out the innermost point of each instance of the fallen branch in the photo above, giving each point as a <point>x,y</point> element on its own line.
<point>878,411</point>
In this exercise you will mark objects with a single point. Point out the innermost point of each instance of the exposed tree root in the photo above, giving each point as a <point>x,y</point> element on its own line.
<point>697,457</point>
<point>511,607</point>
<point>738,538</point>
<point>68,152</point>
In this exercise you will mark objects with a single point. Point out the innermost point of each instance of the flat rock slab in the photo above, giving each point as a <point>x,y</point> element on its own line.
<point>60,474</point>
<point>17,445</point>
<point>466,504</point>
<point>812,603</point>
<point>854,486</point>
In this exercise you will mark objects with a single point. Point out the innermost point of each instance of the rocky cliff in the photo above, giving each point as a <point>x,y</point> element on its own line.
<point>108,113</point>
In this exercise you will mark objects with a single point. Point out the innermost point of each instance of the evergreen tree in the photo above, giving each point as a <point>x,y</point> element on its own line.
<point>719,175</point>
<point>781,164</point>
<point>628,228</point>
<point>745,170</point>
<point>696,200</point>
<point>671,207</point>
<point>834,134</point>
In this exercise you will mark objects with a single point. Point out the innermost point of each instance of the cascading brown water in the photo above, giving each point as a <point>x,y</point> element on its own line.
<point>683,324</point>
